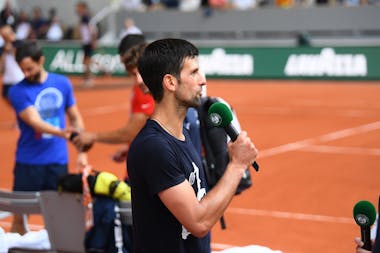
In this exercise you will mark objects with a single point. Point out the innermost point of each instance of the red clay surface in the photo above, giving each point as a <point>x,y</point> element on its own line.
<point>319,145</point>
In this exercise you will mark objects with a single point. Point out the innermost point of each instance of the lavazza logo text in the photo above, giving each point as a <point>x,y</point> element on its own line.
<point>327,63</point>
<point>221,63</point>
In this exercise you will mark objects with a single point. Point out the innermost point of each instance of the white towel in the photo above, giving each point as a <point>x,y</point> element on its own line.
<point>31,240</point>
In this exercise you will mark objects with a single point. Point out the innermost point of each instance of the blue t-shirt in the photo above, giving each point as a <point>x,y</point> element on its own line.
<point>51,99</point>
<point>158,161</point>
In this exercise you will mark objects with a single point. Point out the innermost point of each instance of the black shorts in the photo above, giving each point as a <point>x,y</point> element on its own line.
<point>87,50</point>
<point>37,177</point>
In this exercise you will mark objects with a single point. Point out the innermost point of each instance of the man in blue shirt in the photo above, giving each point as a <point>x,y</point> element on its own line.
<point>41,102</point>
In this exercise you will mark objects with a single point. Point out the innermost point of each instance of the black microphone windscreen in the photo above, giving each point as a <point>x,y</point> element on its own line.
<point>220,114</point>
<point>364,213</point>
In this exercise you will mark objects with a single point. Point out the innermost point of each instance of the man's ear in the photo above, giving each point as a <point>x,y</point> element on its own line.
<point>170,82</point>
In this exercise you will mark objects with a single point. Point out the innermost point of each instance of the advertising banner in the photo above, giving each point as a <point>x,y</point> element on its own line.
<point>250,63</point>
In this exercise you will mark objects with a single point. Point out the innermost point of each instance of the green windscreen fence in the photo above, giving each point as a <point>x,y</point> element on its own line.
<point>347,63</point>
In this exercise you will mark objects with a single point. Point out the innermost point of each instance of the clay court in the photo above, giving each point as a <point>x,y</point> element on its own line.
<point>319,144</point>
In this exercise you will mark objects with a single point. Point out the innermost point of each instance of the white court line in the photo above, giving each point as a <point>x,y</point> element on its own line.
<point>350,131</point>
<point>342,150</point>
<point>288,215</point>
<point>323,138</point>
<point>285,148</point>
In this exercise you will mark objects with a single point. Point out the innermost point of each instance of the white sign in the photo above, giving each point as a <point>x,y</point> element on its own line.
<point>221,63</point>
<point>327,63</point>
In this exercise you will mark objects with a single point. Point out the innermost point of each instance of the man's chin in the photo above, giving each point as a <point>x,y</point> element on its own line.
<point>196,103</point>
<point>31,80</point>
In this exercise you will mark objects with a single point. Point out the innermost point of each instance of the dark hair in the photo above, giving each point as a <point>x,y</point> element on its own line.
<point>129,41</point>
<point>161,57</point>
<point>28,49</point>
<point>132,55</point>
<point>82,4</point>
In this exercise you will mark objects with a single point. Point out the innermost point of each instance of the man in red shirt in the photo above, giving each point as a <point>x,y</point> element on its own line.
<point>142,104</point>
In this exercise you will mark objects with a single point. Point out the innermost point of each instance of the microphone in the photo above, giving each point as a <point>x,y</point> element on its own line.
<point>221,116</point>
<point>365,216</point>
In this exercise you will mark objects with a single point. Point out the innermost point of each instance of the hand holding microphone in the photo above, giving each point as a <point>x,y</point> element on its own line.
<point>359,245</point>
<point>365,216</point>
<point>221,116</point>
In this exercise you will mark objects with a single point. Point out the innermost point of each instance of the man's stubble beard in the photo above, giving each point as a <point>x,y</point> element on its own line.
<point>35,78</point>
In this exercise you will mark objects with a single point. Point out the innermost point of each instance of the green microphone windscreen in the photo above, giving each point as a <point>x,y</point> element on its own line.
<point>364,213</point>
<point>220,114</point>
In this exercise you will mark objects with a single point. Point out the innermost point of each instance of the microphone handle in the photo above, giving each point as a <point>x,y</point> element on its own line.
<point>366,237</point>
<point>233,134</point>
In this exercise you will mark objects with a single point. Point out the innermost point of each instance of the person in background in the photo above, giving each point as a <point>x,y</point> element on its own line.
<point>11,72</point>
<point>41,101</point>
<point>172,210</point>
<point>54,31</point>
<point>39,24</point>
<point>129,28</point>
<point>8,15</point>
<point>133,5</point>
<point>130,48</point>
<point>23,27</point>
<point>88,36</point>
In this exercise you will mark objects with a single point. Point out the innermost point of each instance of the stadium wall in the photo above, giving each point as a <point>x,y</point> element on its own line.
<point>265,25</point>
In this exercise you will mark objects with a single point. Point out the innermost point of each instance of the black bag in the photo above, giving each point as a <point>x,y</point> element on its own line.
<point>108,234</point>
<point>215,152</point>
